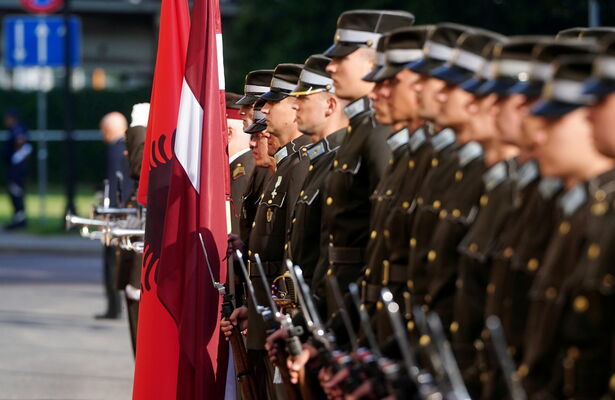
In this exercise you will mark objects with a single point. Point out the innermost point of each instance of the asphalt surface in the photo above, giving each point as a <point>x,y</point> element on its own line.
<point>51,347</point>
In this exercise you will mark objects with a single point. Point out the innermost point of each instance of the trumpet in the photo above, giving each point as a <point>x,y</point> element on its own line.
<point>114,211</point>
<point>72,221</point>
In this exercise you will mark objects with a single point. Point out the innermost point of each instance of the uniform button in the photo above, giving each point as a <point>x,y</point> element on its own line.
<point>473,247</point>
<point>302,193</point>
<point>349,129</point>
<point>419,201</point>
<point>600,195</point>
<point>551,293</point>
<point>330,271</point>
<point>432,255</point>
<point>330,244</point>
<point>305,197</point>
<point>386,233</point>
<point>458,176</point>
<point>239,164</point>
<point>286,246</point>
<point>310,168</point>
<point>454,327</point>
<point>390,161</point>
<point>412,242</point>
<point>411,164</point>
<point>490,289</point>
<point>250,253</point>
<point>373,235</point>
<point>335,163</point>
<point>367,272</point>
<point>269,201</point>
<point>479,345</point>
<point>533,264</point>
<point>410,284</point>
<point>434,162</point>
<point>294,220</point>
<point>424,340</point>
<point>608,280</point>
<point>330,237</point>
<point>329,201</point>
<point>379,305</point>
<point>564,228</point>
<point>345,166</point>
<point>405,205</point>
<point>508,252</point>
<point>459,283</point>
<point>427,299</point>
<point>593,252</point>
<point>437,204</point>
<point>389,192</point>
<point>456,213</point>
<point>443,214</point>
<point>484,335</point>
<point>410,326</point>
<point>600,208</point>
<point>253,224</point>
<point>523,370</point>
<point>580,304</point>
<point>484,200</point>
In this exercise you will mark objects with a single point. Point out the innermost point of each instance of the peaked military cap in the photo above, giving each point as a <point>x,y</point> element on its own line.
<point>541,68</point>
<point>570,33</point>
<point>602,80</point>
<point>468,58</point>
<point>511,64</point>
<point>380,58</point>
<point>597,33</point>
<point>260,123</point>
<point>564,92</point>
<point>362,29</point>
<point>314,78</point>
<point>404,45</point>
<point>283,82</point>
<point>439,47</point>
<point>257,83</point>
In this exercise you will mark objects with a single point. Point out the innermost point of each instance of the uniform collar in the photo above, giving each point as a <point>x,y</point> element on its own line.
<point>495,176</point>
<point>325,145</point>
<point>443,139</point>
<point>281,154</point>
<point>469,152</point>
<point>398,139</point>
<point>417,139</point>
<point>527,174</point>
<point>574,198</point>
<point>357,107</point>
<point>548,187</point>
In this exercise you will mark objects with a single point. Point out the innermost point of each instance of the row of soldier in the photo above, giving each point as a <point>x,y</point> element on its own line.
<point>443,171</point>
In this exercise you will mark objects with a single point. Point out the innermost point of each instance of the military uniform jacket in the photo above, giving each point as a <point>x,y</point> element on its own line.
<point>457,213</point>
<point>357,168</point>
<point>423,215</point>
<point>476,252</point>
<point>586,352</point>
<point>562,254</point>
<point>306,239</point>
<point>241,170</point>
<point>268,234</point>
<point>250,200</point>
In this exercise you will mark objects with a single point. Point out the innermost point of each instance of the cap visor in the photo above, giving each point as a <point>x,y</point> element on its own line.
<point>274,96</point>
<point>388,72</point>
<point>371,74</point>
<point>304,90</point>
<point>339,50</point>
<point>553,109</point>
<point>256,127</point>
<point>598,87</point>
<point>424,66</point>
<point>247,100</point>
<point>530,89</point>
<point>451,74</point>
<point>472,85</point>
<point>496,86</point>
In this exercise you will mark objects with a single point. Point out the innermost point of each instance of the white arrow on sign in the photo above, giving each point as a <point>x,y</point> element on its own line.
<point>20,42</point>
<point>42,32</point>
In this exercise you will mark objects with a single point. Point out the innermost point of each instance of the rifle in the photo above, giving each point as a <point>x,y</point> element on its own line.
<point>275,320</point>
<point>494,325</point>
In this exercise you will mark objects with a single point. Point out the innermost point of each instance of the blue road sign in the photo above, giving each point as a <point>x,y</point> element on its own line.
<point>31,41</point>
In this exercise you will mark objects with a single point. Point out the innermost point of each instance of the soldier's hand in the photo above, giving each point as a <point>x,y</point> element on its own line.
<point>363,390</point>
<point>239,318</point>
<point>234,243</point>
<point>297,363</point>
<point>270,343</point>
<point>331,388</point>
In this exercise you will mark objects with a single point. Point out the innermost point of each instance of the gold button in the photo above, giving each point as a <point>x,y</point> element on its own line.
<point>253,224</point>
<point>484,200</point>
<point>523,370</point>
<point>431,256</point>
<point>302,193</point>
<point>600,209</point>
<point>551,293</point>
<point>294,220</point>
<point>390,161</point>
<point>329,201</point>
<point>349,129</point>
<point>386,233</point>
<point>330,271</point>
<point>479,345</point>
<point>389,192</point>
<point>410,284</point>
<point>473,247</point>
<point>305,197</point>
<point>367,272</point>
<point>459,283</point>
<point>424,340</point>
<point>533,265</point>
<point>437,204</point>
<point>249,252</point>
<point>330,237</point>
<point>443,214</point>
<point>269,201</point>
<point>434,162</point>
<point>593,252</point>
<point>345,166</point>
<point>412,242</point>
<point>456,213</point>
<point>458,176</point>
<point>330,244</point>
<point>379,305</point>
<point>612,383</point>
<point>310,168</point>
<point>405,205</point>
<point>335,163</point>
<point>508,252</point>
<point>484,335</point>
<point>580,304</point>
<point>600,195</point>
<point>373,235</point>
<point>564,228</point>
<point>419,201</point>
<point>411,164</point>
<point>454,326</point>
<point>286,246</point>
<point>410,326</point>
<point>427,298</point>
<point>608,280</point>
<point>490,289</point>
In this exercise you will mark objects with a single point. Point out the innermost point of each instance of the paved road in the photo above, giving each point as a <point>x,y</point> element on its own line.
<point>50,346</point>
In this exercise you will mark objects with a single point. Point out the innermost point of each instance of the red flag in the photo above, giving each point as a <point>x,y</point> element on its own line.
<point>197,204</point>
<point>158,349</point>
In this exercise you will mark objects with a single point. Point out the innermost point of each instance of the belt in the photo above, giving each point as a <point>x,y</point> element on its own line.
<point>272,268</point>
<point>346,255</point>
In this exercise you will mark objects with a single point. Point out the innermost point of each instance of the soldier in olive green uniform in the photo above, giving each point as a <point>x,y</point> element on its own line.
<point>362,158</point>
<point>566,150</point>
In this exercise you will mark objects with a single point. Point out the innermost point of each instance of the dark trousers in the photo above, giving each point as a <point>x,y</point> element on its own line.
<point>109,274</point>
<point>132,309</point>
<point>16,181</point>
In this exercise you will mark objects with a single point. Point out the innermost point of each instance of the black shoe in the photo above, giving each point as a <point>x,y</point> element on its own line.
<point>108,315</point>
<point>15,225</point>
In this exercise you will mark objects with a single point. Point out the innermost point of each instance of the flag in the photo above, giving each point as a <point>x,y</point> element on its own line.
<point>157,358</point>
<point>196,203</point>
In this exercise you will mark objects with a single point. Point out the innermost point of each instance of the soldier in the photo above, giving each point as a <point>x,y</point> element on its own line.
<point>566,150</point>
<point>362,158</point>
<point>256,84</point>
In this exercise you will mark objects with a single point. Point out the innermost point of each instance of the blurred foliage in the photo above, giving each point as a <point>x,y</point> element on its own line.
<point>266,33</point>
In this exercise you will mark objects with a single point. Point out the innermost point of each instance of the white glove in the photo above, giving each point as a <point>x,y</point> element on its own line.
<point>139,115</point>
<point>21,154</point>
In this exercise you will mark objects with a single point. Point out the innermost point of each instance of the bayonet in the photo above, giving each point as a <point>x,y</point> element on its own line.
<point>494,325</point>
